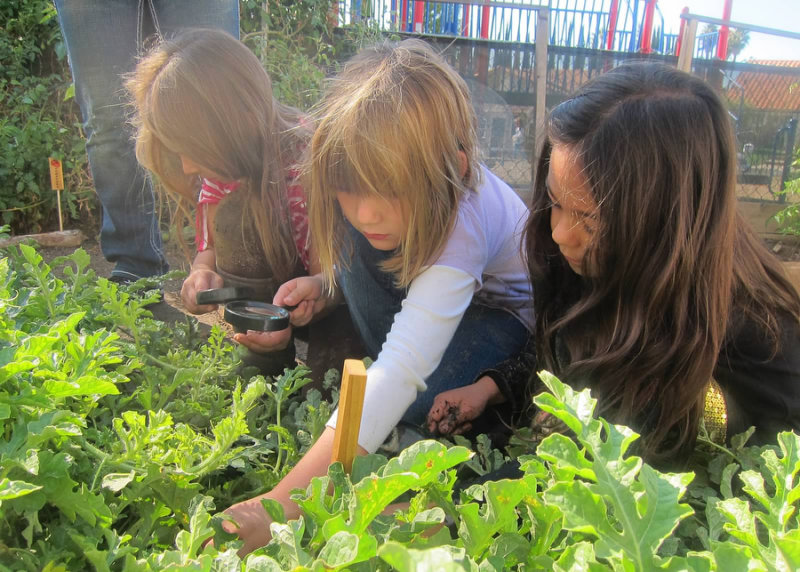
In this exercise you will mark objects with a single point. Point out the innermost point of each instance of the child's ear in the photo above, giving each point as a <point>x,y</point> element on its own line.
<point>462,164</point>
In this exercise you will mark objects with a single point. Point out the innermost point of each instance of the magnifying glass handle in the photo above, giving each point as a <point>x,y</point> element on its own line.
<point>289,308</point>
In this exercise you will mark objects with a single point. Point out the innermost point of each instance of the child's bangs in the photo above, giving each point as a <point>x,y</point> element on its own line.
<point>355,162</point>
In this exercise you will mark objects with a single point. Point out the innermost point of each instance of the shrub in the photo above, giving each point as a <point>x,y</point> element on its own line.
<point>38,119</point>
<point>788,218</point>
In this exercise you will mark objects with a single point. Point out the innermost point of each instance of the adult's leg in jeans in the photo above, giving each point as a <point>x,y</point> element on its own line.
<point>173,15</point>
<point>485,337</point>
<point>102,38</point>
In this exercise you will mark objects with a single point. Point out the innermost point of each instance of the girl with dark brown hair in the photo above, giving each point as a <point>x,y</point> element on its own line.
<point>649,287</point>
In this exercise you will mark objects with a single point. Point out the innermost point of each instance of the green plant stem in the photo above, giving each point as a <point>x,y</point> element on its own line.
<point>104,457</point>
<point>280,440</point>
<point>720,448</point>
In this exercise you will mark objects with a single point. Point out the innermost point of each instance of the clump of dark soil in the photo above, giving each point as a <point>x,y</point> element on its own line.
<point>786,249</point>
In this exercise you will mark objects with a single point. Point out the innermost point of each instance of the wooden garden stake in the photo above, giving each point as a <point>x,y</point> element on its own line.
<point>351,402</point>
<point>57,184</point>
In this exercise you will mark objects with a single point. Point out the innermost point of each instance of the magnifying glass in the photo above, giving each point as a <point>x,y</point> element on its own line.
<point>244,313</point>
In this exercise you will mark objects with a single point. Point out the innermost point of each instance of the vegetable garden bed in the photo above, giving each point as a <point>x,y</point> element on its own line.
<point>123,438</point>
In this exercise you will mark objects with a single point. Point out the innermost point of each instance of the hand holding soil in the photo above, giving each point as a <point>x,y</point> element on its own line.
<point>454,410</point>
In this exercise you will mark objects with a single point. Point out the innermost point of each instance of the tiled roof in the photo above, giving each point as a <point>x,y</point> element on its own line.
<point>765,90</point>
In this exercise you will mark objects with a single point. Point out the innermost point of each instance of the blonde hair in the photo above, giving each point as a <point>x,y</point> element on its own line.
<point>205,95</point>
<point>393,124</point>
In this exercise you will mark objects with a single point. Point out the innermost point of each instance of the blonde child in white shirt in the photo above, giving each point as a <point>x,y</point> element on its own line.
<point>421,240</point>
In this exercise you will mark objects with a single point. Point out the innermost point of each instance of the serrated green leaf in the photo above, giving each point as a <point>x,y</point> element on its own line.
<point>546,524</point>
<point>583,510</point>
<point>437,559</point>
<point>498,514</point>
<point>341,549</point>
<point>739,520</point>
<point>365,465</point>
<point>414,468</point>
<point>115,482</point>
<point>730,556</point>
<point>190,542</point>
<point>289,538</point>
<point>87,385</point>
<point>262,563</point>
<point>788,550</point>
<point>512,547</point>
<point>578,557</point>
<point>274,509</point>
<point>13,489</point>
<point>566,458</point>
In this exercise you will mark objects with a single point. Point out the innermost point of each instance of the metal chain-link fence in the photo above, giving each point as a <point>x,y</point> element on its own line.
<point>763,100</point>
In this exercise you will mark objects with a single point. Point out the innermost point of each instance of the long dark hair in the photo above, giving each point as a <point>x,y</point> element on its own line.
<point>671,258</point>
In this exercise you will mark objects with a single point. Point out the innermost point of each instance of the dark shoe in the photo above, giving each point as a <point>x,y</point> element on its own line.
<point>126,279</point>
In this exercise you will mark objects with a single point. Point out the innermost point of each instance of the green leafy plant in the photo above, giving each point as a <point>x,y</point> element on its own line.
<point>38,119</point>
<point>788,218</point>
<point>113,424</point>
<point>579,503</point>
<point>121,439</point>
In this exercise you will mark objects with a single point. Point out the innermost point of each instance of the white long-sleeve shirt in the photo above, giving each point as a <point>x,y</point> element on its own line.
<point>482,259</point>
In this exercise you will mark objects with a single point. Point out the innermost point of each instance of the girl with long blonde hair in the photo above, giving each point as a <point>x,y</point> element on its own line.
<point>210,130</point>
<point>421,240</point>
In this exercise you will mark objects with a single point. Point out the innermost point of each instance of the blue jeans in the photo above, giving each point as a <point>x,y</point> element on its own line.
<point>485,336</point>
<point>103,39</point>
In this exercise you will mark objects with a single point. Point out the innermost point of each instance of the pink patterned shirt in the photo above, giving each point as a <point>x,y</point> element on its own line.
<point>212,192</point>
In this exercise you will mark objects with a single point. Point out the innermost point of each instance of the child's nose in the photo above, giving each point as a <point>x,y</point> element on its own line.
<point>562,229</point>
<point>189,166</point>
<point>367,212</point>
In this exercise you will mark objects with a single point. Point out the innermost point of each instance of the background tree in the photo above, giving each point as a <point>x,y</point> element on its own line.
<point>737,41</point>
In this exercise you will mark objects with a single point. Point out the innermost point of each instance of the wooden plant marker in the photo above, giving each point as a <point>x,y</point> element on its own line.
<point>351,403</point>
<point>57,184</point>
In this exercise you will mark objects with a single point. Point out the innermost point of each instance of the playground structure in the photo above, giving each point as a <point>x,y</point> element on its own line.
<point>634,26</point>
<point>516,78</point>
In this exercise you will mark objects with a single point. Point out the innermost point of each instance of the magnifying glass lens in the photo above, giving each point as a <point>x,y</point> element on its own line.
<point>268,312</point>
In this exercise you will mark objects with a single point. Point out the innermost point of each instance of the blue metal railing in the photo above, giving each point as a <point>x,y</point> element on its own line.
<point>573,23</point>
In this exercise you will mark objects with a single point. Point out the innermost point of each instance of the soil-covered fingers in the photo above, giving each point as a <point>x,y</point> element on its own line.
<point>454,409</point>
<point>448,417</point>
<point>264,342</point>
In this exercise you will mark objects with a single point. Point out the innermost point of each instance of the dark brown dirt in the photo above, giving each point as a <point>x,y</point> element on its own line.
<point>787,249</point>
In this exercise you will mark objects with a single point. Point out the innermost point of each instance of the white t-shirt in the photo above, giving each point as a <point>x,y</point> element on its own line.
<point>486,243</point>
<point>482,260</point>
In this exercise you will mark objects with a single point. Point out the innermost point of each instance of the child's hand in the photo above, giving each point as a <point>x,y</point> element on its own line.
<point>453,410</point>
<point>253,524</point>
<point>306,294</point>
<point>199,279</point>
<point>264,342</point>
